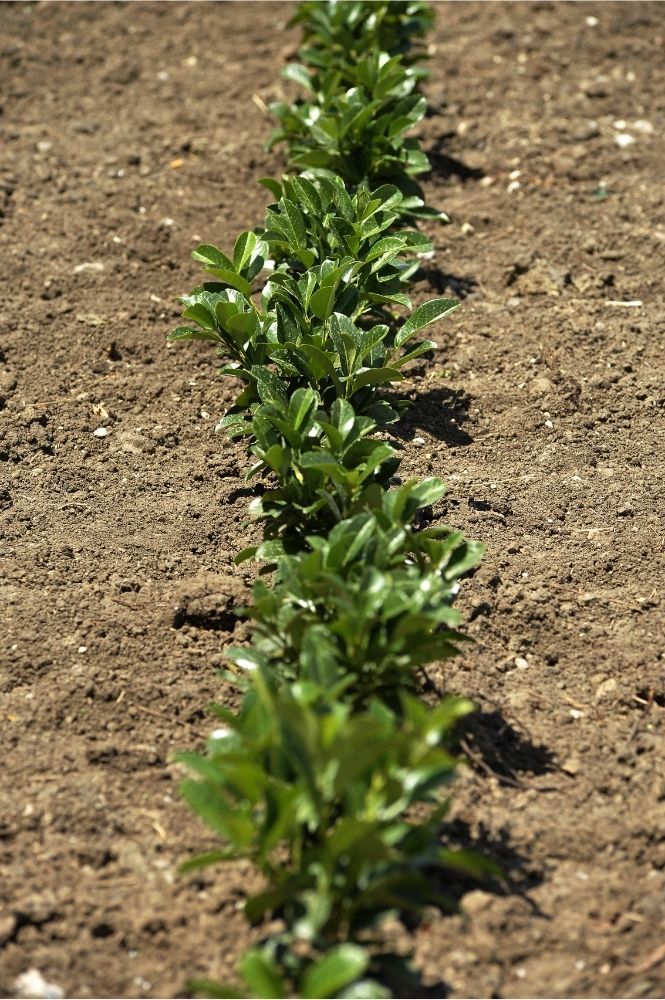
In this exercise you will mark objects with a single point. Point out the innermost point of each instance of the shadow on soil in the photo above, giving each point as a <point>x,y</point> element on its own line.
<point>440,411</point>
<point>494,746</point>
<point>446,167</point>
<point>510,873</point>
<point>459,285</point>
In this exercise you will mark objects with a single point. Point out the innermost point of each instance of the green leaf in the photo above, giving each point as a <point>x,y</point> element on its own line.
<point>243,249</point>
<point>298,74</point>
<point>201,315</point>
<point>425,314</point>
<point>339,967</point>
<point>322,301</point>
<point>268,385</point>
<point>231,278</point>
<point>427,345</point>
<point>272,185</point>
<point>261,975</point>
<point>212,256</point>
<point>376,376</point>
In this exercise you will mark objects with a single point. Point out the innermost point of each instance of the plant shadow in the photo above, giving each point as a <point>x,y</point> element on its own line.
<point>509,873</point>
<point>446,167</point>
<point>405,980</point>
<point>460,285</point>
<point>516,875</point>
<point>495,746</point>
<point>439,411</point>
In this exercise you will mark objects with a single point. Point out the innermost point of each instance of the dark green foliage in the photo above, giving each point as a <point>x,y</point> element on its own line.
<point>329,776</point>
<point>368,605</point>
<point>338,33</point>
<point>357,67</point>
<point>318,798</point>
<point>326,316</point>
<point>359,133</point>
<point>326,465</point>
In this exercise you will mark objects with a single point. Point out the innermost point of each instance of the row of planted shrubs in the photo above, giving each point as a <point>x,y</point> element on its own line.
<point>329,777</point>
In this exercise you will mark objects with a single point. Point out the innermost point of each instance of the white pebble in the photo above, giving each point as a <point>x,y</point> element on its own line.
<point>101,432</point>
<point>513,186</point>
<point>624,139</point>
<point>93,266</point>
<point>643,127</point>
<point>32,984</point>
<point>591,21</point>
<point>83,649</point>
<point>521,663</point>
<point>419,441</point>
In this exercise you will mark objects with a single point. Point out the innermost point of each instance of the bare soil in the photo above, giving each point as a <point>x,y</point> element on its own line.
<point>131,131</point>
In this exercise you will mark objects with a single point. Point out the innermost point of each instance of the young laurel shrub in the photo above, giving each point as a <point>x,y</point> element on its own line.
<point>337,35</point>
<point>320,799</point>
<point>316,323</point>
<point>326,465</point>
<point>364,606</point>
<point>359,133</point>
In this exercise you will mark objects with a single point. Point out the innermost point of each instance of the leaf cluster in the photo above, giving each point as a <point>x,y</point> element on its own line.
<point>338,33</point>
<point>325,318</point>
<point>319,798</point>
<point>360,74</point>
<point>329,775</point>
<point>367,605</point>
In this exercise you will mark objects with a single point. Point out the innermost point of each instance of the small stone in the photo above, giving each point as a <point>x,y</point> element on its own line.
<point>468,229</point>
<point>626,510</point>
<point>521,663</point>
<point>7,928</point>
<point>101,432</point>
<point>31,984</point>
<point>44,147</point>
<point>90,319</point>
<point>540,386</point>
<point>90,266</point>
<point>135,443</point>
<point>606,689</point>
<point>571,766</point>
<point>624,139</point>
<point>419,441</point>
<point>595,88</point>
<point>476,901</point>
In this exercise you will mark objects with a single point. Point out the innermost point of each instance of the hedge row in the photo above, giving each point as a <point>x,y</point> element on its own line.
<point>329,777</point>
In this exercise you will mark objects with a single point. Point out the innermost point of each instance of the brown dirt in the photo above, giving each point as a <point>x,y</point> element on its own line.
<point>129,129</point>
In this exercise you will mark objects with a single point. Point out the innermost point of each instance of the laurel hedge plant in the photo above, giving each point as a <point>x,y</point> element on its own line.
<point>330,775</point>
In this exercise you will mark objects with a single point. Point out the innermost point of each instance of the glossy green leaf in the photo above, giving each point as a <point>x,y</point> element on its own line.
<point>425,314</point>
<point>339,967</point>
